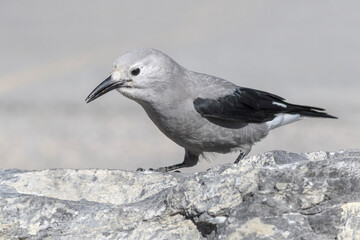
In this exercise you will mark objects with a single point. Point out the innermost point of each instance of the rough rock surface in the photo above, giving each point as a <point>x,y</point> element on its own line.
<point>275,195</point>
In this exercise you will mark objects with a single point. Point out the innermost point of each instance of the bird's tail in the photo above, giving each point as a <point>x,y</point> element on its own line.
<point>307,111</point>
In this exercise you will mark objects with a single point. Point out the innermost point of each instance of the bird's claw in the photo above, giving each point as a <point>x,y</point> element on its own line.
<point>165,169</point>
<point>162,170</point>
<point>143,169</point>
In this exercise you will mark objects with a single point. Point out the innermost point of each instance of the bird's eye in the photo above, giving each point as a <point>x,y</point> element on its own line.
<point>135,71</point>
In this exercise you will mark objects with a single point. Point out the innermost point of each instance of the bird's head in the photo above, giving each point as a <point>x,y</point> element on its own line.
<point>138,74</point>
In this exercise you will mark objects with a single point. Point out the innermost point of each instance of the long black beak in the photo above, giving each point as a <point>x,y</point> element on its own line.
<point>106,86</point>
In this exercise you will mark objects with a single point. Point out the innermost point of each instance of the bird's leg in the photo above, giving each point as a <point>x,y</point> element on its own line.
<point>242,154</point>
<point>190,160</point>
<point>240,157</point>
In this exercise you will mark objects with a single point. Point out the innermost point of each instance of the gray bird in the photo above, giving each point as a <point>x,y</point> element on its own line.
<point>201,113</point>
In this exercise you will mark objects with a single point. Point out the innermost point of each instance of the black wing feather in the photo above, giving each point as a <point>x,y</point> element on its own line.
<point>251,106</point>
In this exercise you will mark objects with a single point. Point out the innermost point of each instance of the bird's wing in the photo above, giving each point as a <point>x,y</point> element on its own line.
<point>248,105</point>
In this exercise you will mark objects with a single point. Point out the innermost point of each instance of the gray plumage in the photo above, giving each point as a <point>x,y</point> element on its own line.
<point>199,112</point>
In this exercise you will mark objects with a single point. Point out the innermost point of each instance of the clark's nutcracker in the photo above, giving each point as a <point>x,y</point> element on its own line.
<point>201,113</point>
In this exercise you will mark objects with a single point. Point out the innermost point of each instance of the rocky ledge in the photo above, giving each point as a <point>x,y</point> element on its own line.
<point>275,195</point>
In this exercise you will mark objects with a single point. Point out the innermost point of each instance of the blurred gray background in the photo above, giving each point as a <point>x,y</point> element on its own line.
<point>53,53</point>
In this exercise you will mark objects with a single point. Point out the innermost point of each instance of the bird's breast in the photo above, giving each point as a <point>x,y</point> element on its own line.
<point>178,121</point>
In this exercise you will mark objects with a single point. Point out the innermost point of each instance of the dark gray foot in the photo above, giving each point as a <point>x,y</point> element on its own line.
<point>190,160</point>
<point>162,169</point>
<point>170,168</point>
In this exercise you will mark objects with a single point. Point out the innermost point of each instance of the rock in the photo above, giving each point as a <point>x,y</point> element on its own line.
<point>275,195</point>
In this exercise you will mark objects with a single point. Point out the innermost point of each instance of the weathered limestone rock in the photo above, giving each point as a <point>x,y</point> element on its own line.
<point>275,195</point>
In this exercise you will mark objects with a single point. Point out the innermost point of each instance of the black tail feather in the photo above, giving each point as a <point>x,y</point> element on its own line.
<point>316,114</point>
<point>307,111</point>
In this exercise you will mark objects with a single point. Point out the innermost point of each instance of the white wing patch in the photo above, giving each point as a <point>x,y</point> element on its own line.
<point>282,119</point>
<point>279,104</point>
